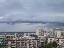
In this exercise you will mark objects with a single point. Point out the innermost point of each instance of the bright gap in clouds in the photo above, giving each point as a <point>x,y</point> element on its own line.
<point>1,17</point>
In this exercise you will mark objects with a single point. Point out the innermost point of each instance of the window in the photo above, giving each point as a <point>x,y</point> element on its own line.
<point>62,40</point>
<point>50,39</point>
<point>8,36</point>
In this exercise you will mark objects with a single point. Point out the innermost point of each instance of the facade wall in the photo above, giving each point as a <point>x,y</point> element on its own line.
<point>61,41</point>
<point>51,40</point>
<point>37,31</point>
<point>58,33</point>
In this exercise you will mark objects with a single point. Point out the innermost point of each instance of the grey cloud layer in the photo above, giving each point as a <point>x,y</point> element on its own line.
<point>32,6</point>
<point>31,11</point>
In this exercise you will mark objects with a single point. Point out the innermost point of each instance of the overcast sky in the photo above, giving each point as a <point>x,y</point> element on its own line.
<point>27,15</point>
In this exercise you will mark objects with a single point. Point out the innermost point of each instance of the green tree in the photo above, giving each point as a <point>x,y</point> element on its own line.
<point>54,44</point>
<point>0,45</point>
<point>45,42</point>
<point>42,46</point>
<point>36,36</point>
<point>50,45</point>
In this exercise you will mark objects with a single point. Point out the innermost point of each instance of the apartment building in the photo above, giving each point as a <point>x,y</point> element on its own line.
<point>44,32</point>
<point>22,43</point>
<point>19,41</point>
<point>38,31</point>
<point>60,41</point>
<point>59,32</point>
<point>32,40</point>
<point>50,39</point>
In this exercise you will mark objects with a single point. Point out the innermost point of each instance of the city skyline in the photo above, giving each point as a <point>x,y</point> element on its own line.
<point>27,15</point>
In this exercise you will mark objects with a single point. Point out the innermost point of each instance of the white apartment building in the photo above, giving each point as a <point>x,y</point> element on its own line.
<point>38,31</point>
<point>51,33</point>
<point>60,41</point>
<point>44,32</point>
<point>59,32</point>
<point>51,39</point>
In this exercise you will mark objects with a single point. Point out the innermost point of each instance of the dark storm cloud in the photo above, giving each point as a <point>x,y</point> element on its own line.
<point>31,22</point>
